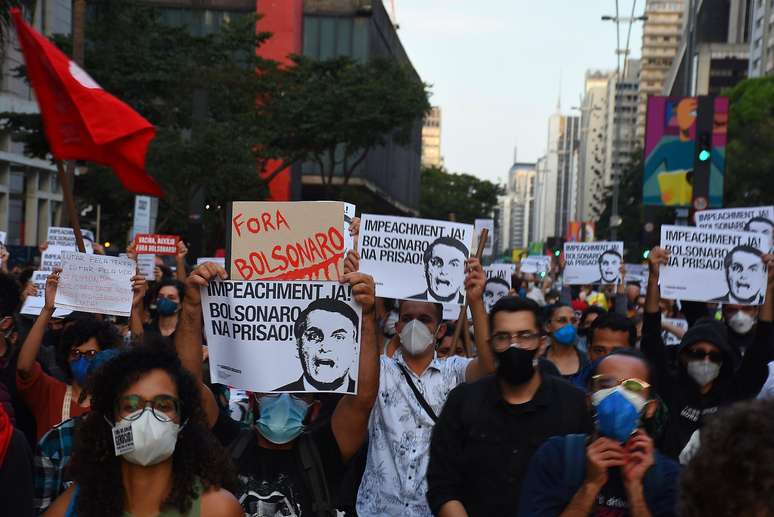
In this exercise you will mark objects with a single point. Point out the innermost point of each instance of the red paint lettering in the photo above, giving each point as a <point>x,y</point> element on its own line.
<point>293,255</point>
<point>243,269</point>
<point>236,221</point>
<point>276,254</point>
<point>322,240</point>
<point>335,235</point>
<point>260,268</point>
<point>253,225</point>
<point>266,220</point>
<point>281,220</point>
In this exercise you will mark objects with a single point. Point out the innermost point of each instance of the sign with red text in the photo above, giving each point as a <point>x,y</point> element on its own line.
<point>150,243</point>
<point>286,240</point>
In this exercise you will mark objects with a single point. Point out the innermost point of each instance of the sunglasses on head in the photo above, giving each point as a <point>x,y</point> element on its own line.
<point>699,355</point>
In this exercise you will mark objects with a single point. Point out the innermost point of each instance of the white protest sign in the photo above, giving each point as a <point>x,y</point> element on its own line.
<point>34,304</point>
<point>51,259</point>
<point>286,336</point>
<point>95,283</point>
<point>415,259</point>
<point>498,283</point>
<point>64,238</point>
<point>349,214</point>
<point>759,219</point>
<point>713,265</point>
<point>535,264</point>
<point>639,274</point>
<point>3,238</point>
<point>592,262</point>
<point>147,266</point>
<point>221,261</point>
<point>479,225</point>
<point>669,338</point>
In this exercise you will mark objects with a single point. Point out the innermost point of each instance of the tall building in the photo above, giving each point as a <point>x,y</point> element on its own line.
<point>661,37</point>
<point>431,139</point>
<point>517,207</point>
<point>623,103</point>
<point>30,196</point>
<point>761,39</point>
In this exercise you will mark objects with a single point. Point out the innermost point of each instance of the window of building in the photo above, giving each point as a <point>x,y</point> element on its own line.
<point>16,208</point>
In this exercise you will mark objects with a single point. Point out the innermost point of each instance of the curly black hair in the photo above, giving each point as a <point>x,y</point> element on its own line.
<point>733,471</point>
<point>197,457</point>
<point>10,295</point>
<point>78,333</point>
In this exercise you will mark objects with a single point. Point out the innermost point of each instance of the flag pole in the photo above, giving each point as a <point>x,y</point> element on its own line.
<point>464,309</point>
<point>69,201</point>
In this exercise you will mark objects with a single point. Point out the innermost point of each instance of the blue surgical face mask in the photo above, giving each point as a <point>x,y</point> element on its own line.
<point>166,307</point>
<point>566,335</point>
<point>80,369</point>
<point>281,417</point>
<point>618,412</point>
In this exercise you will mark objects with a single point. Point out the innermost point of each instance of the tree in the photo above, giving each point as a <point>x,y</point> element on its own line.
<point>333,113</point>
<point>464,195</point>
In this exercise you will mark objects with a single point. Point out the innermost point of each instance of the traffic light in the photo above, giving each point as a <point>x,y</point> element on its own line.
<point>645,254</point>
<point>705,146</point>
<point>557,253</point>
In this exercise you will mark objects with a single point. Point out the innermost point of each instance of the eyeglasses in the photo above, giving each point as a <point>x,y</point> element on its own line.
<point>76,354</point>
<point>163,407</point>
<point>634,385</point>
<point>699,355</point>
<point>502,340</point>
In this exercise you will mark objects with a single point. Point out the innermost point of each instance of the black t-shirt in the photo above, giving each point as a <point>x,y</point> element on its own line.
<point>612,500</point>
<point>271,481</point>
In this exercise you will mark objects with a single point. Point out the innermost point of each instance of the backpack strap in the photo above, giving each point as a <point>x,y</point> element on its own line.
<point>574,460</point>
<point>314,473</point>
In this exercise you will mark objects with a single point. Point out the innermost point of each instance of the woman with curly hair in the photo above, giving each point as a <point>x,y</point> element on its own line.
<point>168,464</point>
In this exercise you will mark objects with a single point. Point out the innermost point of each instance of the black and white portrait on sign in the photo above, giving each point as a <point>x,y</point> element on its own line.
<point>494,289</point>
<point>743,266</point>
<point>444,262</point>
<point>327,337</point>
<point>757,219</point>
<point>761,225</point>
<point>609,267</point>
<point>596,263</point>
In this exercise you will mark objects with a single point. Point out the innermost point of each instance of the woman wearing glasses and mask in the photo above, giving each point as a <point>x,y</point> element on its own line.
<point>144,449</point>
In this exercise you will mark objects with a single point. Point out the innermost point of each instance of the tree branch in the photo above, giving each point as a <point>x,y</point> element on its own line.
<point>350,170</point>
<point>284,165</point>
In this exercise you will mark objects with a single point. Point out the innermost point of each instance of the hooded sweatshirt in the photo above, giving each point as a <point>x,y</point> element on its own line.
<point>688,407</point>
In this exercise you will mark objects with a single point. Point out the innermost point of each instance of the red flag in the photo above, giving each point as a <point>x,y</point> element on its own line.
<point>81,120</point>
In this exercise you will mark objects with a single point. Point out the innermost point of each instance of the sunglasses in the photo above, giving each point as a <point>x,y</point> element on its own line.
<point>76,354</point>
<point>634,385</point>
<point>699,355</point>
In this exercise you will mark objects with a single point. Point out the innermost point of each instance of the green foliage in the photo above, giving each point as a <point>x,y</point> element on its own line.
<point>464,195</point>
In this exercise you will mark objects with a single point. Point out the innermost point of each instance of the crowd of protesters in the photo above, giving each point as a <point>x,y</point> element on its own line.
<point>553,401</point>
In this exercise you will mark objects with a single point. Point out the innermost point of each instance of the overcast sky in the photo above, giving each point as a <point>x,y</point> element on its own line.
<point>495,69</point>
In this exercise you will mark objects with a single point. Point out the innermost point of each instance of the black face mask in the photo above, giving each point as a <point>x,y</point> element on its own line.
<point>515,365</point>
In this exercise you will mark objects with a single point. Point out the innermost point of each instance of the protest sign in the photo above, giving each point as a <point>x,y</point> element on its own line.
<point>147,266</point>
<point>221,261</point>
<point>349,215</point>
<point>669,338</point>
<point>535,264</point>
<point>150,243</point>
<point>758,219</point>
<point>60,238</point>
<point>638,274</point>
<point>481,224</point>
<point>95,283</point>
<point>498,283</point>
<point>415,259</point>
<point>592,262</point>
<point>283,336</point>
<point>51,259</point>
<point>713,265</point>
<point>286,240</point>
<point>34,304</point>
<point>3,239</point>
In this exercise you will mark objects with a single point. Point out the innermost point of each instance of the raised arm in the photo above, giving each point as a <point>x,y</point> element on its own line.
<point>139,287</point>
<point>29,351</point>
<point>350,418</point>
<point>484,364</point>
<point>656,258</point>
<point>182,251</point>
<point>652,344</point>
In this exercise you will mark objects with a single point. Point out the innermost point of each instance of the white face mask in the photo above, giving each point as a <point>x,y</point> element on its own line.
<point>415,338</point>
<point>154,440</point>
<point>703,372</point>
<point>741,322</point>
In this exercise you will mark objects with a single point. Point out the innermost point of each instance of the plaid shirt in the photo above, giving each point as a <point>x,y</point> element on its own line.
<point>52,456</point>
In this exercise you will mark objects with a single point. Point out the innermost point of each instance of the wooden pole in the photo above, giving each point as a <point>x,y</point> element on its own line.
<point>69,201</point>
<point>464,309</point>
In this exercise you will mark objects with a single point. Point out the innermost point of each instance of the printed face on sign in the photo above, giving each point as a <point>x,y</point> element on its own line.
<point>761,225</point>
<point>445,269</point>
<point>609,267</point>
<point>327,340</point>
<point>494,289</point>
<point>743,267</point>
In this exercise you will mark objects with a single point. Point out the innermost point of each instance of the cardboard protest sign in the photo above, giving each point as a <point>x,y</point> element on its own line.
<point>488,224</point>
<point>592,262</point>
<point>64,238</point>
<point>283,336</point>
<point>150,243</point>
<point>535,264</point>
<point>34,304</point>
<point>95,283</point>
<point>415,259</point>
<point>758,219</point>
<point>669,338</point>
<point>498,282</point>
<point>714,265</point>
<point>286,240</point>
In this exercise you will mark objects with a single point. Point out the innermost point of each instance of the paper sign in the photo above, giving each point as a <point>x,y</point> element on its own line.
<point>349,215</point>
<point>535,264</point>
<point>749,219</point>
<point>147,266</point>
<point>221,261</point>
<point>669,338</point>
<point>639,274</point>
<point>415,259</point>
<point>283,336</point>
<point>64,238</point>
<point>287,240</point>
<point>3,239</point>
<point>592,262</point>
<point>123,439</point>
<point>150,243</point>
<point>479,225</point>
<point>51,259</point>
<point>714,265</point>
<point>95,283</point>
<point>498,283</point>
<point>34,304</point>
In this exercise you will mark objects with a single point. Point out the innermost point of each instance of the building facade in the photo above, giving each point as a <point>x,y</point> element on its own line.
<point>517,207</point>
<point>661,38</point>
<point>761,38</point>
<point>431,139</point>
<point>621,128</point>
